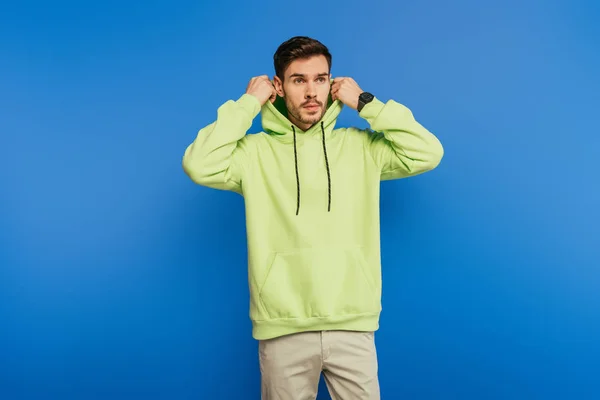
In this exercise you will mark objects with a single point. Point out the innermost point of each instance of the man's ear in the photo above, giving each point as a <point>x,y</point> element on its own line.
<point>278,85</point>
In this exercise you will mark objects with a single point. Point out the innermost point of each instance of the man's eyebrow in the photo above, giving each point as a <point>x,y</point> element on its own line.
<point>304,75</point>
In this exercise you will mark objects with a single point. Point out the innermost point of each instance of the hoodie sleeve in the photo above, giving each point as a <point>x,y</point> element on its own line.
<point>399,145</point>
<point>217,156</point>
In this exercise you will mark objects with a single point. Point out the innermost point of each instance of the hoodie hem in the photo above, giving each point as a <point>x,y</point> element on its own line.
<point>269,329</point>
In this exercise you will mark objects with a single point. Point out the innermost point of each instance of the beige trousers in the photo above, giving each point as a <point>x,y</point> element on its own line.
<point>291,366</point>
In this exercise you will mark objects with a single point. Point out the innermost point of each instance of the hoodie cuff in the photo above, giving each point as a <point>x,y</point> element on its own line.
<point>372,109</point>
<point>250,104</point>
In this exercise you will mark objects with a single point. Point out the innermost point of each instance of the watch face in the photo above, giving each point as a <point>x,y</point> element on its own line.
<point>366,97</point>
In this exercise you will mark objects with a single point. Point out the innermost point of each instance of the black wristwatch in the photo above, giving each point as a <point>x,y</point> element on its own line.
<point>363,99</point>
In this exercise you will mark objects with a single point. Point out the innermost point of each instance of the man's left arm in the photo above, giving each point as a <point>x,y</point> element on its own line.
<point>399,145</point>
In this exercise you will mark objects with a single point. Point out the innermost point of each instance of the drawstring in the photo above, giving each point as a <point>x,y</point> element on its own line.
<point>327,165</point>
<point>298,176</point>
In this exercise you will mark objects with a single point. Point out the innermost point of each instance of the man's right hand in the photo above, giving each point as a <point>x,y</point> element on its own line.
<point>262,88</point>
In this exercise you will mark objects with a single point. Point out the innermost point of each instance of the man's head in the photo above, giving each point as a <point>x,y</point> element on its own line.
<point>302,79</point>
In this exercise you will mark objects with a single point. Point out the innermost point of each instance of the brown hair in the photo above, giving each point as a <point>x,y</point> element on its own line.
<point>296,48</point>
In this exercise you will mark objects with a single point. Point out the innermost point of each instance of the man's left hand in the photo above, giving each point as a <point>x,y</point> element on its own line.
<point>347,91</point>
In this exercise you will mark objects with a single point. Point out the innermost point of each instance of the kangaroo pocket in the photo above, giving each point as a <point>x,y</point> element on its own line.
<point>318,282</point>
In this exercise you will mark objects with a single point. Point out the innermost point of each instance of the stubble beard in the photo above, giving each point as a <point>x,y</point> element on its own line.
<point>299,114</point>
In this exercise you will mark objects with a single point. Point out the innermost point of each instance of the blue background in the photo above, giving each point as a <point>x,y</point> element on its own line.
<point>121,279</point>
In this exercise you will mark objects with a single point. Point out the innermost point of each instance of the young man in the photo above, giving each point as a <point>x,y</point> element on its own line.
<point>311,194</point>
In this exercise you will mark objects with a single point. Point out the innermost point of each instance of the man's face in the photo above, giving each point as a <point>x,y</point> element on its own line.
<point>305,90</point>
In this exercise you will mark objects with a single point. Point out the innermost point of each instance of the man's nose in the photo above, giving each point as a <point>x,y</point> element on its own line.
<point>311,90</point>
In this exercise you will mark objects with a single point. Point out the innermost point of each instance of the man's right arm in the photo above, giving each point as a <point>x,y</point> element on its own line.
<point>217,156</point>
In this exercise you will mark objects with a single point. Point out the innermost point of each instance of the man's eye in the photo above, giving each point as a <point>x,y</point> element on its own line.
<point>298,80</point>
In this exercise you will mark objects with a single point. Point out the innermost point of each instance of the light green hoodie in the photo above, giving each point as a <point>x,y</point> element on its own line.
<point>312,206</point>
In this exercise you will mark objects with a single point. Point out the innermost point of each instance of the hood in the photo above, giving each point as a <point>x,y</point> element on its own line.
<point>275,121</point>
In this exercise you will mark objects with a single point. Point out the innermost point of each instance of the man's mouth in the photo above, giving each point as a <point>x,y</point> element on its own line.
<point>311,106</point>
